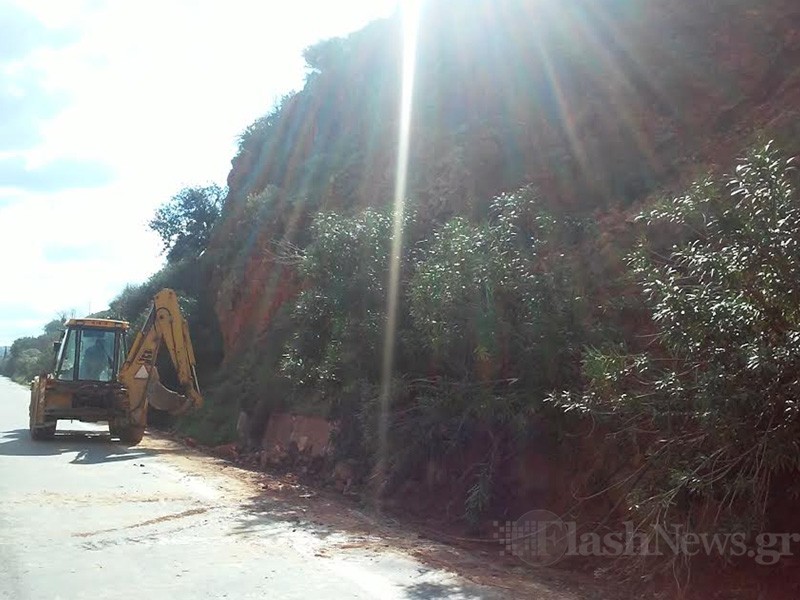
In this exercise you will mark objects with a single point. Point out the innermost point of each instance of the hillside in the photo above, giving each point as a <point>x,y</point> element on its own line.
<point>585,322</point>
<point>596,107</point>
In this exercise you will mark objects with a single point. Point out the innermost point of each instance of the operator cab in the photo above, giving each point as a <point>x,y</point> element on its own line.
<point>91,350</point>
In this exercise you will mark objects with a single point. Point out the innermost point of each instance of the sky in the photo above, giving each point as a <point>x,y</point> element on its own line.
<point>110,107</point>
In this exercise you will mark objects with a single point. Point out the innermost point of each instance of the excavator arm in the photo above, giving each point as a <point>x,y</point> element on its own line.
<point>164,327</point>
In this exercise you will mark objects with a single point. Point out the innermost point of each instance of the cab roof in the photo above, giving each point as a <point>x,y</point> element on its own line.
<point>98,323</point>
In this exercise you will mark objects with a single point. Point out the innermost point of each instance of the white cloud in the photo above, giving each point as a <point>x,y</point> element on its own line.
<point>158,91</point>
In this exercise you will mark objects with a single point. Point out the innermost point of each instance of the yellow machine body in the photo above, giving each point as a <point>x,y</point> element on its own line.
<point>97,378</point>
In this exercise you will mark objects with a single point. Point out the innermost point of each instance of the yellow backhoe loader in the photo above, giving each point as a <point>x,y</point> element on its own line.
<point>97,379</point>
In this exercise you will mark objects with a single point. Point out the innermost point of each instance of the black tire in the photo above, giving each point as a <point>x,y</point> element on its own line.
<point>41,434</point>
<point>131,435</point>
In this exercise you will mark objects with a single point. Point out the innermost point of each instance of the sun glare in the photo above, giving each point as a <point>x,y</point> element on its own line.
<point>411,15</point>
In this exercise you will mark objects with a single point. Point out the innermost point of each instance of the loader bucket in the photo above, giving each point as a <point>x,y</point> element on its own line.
<point>164,399</point>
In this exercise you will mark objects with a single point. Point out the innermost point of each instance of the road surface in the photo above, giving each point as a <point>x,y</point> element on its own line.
<point>84,517</point>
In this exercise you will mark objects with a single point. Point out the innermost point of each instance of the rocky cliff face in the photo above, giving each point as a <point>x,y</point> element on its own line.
<point>597,104</point>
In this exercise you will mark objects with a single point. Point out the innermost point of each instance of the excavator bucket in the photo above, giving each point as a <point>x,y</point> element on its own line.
<point>164,399</point>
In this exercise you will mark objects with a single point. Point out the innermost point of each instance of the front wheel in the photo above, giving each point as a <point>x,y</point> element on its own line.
<point>130,435</point>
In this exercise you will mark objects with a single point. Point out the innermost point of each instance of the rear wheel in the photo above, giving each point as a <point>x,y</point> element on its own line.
<point>43,433</point>
<point>39,431</point>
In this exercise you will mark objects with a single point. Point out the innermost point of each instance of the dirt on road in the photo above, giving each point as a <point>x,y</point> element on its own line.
<point>321,511</point>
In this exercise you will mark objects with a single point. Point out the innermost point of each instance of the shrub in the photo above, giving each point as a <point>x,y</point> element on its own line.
<point>713,402</point>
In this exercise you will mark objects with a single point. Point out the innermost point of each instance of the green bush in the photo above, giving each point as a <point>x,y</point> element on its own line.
<point>714,397</point>
<point>339,319</point>
<point>484,332</point>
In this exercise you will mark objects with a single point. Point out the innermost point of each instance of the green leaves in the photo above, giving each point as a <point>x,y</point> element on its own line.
<point>339,318</point>
<point>184,222</point>
<point>478,296</point>
<point>485,330</point>
<point>31,356</point>
<point>725,296</point>
<point>737,280</point>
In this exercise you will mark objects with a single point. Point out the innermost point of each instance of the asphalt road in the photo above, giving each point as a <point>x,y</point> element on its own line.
<point>84,517</point>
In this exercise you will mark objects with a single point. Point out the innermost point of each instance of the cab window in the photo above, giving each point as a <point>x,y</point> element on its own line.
<point>123,350</point>
<point>97,349</point>
<point>66,365</point>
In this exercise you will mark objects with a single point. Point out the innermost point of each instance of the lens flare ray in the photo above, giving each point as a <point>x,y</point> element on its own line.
<point>411,11</point>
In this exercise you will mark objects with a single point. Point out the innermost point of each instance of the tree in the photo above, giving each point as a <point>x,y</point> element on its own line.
<point>30,356</point>
<point>184,223</point>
